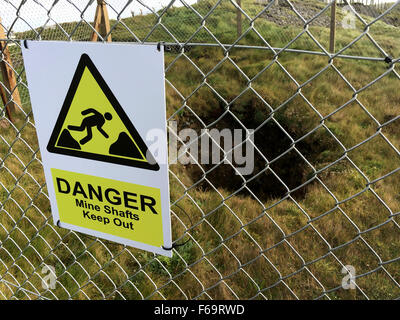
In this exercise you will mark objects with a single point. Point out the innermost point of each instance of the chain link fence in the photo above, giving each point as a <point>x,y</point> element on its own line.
<point>317,218</point>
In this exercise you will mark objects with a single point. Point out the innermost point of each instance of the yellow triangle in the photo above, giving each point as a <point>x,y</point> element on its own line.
<point>92,123</point>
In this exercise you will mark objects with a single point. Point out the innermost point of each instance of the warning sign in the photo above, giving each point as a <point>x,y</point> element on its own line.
<point>122,209</point>
<point>93,125</point>
<point>97,108</point>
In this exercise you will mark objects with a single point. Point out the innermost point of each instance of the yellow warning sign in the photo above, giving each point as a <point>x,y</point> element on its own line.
<point>104,178</point>
<point>118,208</point>
<point>93,125</point>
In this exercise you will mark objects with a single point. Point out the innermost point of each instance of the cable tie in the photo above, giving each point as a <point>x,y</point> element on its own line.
<point>388,59</point>
<point>174,244</point>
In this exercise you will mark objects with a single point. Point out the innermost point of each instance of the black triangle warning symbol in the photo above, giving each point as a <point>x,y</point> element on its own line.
<point>93,125</point>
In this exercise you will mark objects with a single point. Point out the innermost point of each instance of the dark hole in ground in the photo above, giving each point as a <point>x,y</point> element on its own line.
<point>287,171</point>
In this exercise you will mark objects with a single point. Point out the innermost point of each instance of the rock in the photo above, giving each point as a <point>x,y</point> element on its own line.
<point>124,146</point>
<point>67,141</point>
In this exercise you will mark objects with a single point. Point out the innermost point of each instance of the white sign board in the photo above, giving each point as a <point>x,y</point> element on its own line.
<point>94,104</point>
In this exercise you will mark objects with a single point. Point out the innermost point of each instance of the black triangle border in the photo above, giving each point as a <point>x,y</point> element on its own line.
<point>85,61</point>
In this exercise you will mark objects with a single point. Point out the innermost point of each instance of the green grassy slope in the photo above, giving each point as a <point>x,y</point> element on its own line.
<point>346,223</point>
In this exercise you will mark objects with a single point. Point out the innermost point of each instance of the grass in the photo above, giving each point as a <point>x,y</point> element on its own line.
<point>230,230</point>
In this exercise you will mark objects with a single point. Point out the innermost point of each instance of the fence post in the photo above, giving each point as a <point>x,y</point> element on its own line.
<point>239,19</point>
<point>333,27</point>
<point>101,22</point>
<point>9,78</point>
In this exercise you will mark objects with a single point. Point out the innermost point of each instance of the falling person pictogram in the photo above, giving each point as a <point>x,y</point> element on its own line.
<point>95,120</point>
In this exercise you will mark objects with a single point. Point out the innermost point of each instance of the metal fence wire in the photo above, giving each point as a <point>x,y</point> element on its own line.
<point>317,218</point>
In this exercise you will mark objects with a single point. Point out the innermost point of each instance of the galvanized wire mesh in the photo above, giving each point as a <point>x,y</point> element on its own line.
<point>324,194</point>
